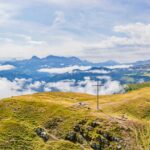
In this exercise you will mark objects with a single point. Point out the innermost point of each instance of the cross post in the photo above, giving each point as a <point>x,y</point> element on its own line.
<point>98,85</point>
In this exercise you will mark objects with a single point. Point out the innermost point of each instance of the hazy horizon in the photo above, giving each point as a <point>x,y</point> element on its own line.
<point>84,59</point>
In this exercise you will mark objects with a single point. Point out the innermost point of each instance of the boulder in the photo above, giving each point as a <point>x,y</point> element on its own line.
<point>42,134</point>
<point>96,146</point>
<point>71,136</point>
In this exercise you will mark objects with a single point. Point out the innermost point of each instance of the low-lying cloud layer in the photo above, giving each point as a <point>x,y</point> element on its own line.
<point>101,71</point>
<point>6,67</point>
<point>27,86</point>
<point>119,66</point>
<point>13,88</point>
<point>86,86</point>
<point>64,70</point>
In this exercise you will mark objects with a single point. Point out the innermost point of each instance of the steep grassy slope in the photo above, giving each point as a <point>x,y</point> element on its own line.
<point>135,104</point>
<point>71,122</point>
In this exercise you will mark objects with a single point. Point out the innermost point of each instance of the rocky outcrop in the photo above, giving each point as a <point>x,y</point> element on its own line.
<point>93,133</point>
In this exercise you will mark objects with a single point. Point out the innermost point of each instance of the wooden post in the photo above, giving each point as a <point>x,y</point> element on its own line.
<point>98,90</point>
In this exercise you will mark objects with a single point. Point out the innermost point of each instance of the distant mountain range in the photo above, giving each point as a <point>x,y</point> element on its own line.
<point>146,62</point>
<point>56,62</point>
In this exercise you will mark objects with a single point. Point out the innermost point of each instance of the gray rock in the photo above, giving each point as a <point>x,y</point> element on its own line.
<point>42,134</point>
<point>72,136</point>
<point>96,146</point>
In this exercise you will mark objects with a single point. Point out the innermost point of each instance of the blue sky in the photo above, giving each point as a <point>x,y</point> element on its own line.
<point>97,30</point>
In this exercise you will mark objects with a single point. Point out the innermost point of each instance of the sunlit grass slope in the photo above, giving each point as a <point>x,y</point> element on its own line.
<point>135,104</point>
<point>72,123</point>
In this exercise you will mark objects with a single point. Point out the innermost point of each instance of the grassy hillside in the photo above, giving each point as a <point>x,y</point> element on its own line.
<point>69,121</point>
<point>131,87</point>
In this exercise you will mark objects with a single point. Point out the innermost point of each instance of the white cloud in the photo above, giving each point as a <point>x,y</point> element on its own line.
<point>99,71</point>
<point>138,33</point>
<point>86,86</point>
<point>107,78</point>
<point>27,39</point>
<point>6,67</point>
<point>69,69</point>
<point>36,85</point>
<point>119,66</point>
<point>70,2</point>
<point>27,86</point>
<point>24,46</point>
<point>111,87</point>
<point>7,40</point>
<point>133,41</point>
<point>13,88</point>
<point>7,12</point>
<point>59,19</point>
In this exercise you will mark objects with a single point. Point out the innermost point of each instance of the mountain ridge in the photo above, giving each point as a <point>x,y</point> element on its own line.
<point>62,59</point>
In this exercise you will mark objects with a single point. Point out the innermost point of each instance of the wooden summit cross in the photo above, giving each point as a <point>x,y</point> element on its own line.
<point>98,85</point>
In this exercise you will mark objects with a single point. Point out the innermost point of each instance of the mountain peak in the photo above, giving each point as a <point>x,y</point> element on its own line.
<point>35,57</point>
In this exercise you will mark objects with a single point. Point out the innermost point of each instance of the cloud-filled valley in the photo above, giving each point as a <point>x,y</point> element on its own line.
<point>27,86</point>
